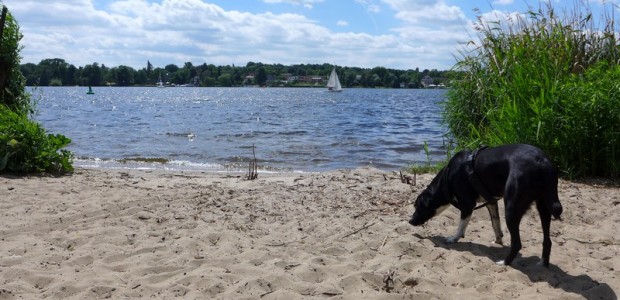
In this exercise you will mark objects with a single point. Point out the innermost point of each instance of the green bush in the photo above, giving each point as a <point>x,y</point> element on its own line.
<point>25,147</point>
<point>545,80</point>
<point>12,82</point>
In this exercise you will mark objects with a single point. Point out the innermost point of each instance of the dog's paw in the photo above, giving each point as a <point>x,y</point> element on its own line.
<point>500,263</point>
<point>452,239</point>
<point>541,263</point>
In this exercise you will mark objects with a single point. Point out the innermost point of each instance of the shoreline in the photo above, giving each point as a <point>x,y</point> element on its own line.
<point>161,234</point>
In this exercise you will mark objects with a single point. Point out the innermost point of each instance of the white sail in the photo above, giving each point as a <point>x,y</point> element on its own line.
<point>160,84</point>
<point>333,84</point>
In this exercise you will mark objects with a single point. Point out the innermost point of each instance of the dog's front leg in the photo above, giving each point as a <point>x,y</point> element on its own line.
<point>460,231</point>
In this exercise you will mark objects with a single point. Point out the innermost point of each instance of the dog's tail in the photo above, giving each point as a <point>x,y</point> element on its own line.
<point>551,195</point>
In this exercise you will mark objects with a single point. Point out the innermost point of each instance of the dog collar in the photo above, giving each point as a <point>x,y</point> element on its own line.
<point>475,180</point>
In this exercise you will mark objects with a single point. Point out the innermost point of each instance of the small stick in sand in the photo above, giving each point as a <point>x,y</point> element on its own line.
<point>253,169</point>
<point>384,241</point>
<point>286,243</point>
<point>359,229</point>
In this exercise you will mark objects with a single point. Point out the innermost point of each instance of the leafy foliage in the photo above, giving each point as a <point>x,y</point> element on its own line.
<point>11,80</point>
<point>545,80</point>
<point>25,147</point>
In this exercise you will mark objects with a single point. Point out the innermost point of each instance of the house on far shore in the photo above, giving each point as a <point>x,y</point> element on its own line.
<point>427,81</point>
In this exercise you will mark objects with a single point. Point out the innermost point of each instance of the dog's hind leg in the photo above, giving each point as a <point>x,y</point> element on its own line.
<point>495,221</point>
<point>512,222</point>
<point>545,218</point>
<point>516,206</point>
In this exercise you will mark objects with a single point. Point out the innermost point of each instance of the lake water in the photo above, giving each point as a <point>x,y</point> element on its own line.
<point>215,129</point>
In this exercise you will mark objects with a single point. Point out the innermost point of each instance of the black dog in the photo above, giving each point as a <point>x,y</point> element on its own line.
<point>519,173</point>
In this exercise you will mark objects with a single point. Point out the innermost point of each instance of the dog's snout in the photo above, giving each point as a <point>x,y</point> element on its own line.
<point>414,222</point>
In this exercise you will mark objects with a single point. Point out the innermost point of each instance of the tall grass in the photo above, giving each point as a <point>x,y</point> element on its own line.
<point>548,80</point>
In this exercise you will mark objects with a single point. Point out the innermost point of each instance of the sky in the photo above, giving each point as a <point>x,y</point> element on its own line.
<point>399,34</point>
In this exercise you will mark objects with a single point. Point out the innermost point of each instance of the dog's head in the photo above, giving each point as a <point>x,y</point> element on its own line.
<point>433,200</point>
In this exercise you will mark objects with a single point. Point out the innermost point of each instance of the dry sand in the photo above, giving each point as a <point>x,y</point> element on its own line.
<point>342,235</point>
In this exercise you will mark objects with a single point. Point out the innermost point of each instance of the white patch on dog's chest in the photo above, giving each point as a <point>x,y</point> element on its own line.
<point>440,209</point>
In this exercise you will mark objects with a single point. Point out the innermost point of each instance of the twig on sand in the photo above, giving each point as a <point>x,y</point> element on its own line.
<point>286,243</point>
<point>384,241</point>
<point>253,169</point>
<point>121,279</point>
<point>602,242</point>
<point>267,293</point>
<point>366,226</point>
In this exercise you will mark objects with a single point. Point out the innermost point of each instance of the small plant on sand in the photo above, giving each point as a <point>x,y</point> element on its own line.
<point>429,166</point>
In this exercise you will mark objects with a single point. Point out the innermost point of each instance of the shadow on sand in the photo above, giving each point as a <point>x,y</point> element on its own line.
<point>582,285</point>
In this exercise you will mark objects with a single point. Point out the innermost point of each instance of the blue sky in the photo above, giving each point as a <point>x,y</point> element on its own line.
<point>401,34</point>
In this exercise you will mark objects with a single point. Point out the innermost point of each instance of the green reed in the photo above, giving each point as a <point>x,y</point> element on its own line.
<point>429,166</point>
<point>548,80</point>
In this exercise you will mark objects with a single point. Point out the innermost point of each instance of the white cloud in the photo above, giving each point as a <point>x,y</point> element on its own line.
<point>426,12</point>
<point>370,6</point>
<point>373,8</point>
<point>430,28</point>
<point>503,2</point>
<point>342,23</point>
<point>305,3</point>
<point>130,32</point>
<point>505,18</point>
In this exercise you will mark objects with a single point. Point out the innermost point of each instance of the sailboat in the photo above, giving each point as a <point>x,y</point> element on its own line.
<point>333,84</point>
<point>160,84</point>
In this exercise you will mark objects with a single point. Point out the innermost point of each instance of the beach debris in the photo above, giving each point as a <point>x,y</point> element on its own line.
<point>384,241</point>
<point>144,215</point>
<point>282,244</point>
<point>366,226</point>
<point>388,279</point>
<point>411,282</point>
<point>199,254</point>
<point>408,179</point>
<point>253,169</point>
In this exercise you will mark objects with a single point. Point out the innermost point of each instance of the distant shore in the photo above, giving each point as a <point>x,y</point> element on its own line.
<point>158,234</point>
<point>252,86</point>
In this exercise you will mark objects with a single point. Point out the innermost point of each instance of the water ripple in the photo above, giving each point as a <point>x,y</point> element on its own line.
<point>289,129</point>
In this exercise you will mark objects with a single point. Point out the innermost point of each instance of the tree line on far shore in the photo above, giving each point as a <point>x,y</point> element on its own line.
<point>57,72</point>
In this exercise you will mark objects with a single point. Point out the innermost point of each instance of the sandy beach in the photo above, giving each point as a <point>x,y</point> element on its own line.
<point>342,235</point>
